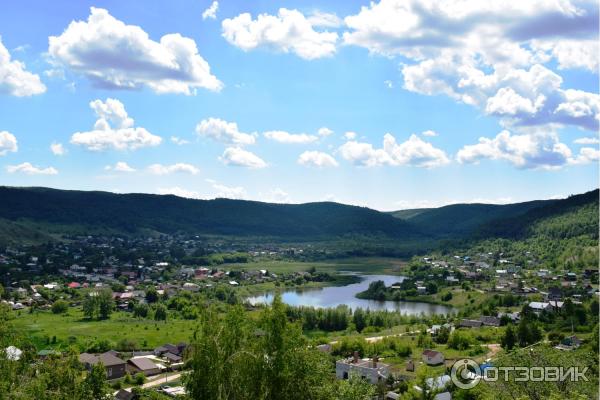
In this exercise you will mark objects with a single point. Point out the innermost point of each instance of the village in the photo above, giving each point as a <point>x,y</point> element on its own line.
<point>489,291</point>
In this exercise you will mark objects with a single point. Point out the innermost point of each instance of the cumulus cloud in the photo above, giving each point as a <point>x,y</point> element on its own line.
<point>276,195</point>
<point>15,80</point>
<point>286,137</point>
<point>113,129</point>
<point>587,140</point>
<point>211,11</point>
<point>323,19</point>
<point>350,135</point>
<point>120,166</point>
<point>413,152</point>
<point>228,192</point>
<point>491,55</point>
<point>429,133</point>
<point>8,143</point>
<point>179,141</point>
<point>114,55</point>
<point>289,32</point>
<point>223,131</point>
<point>29,169</point>
<point>317,159</point>
<point>239,157</point>
<point>159,169</point>
<point>58,149</point>
<point>324,131</point>
<point>586,155</point>
<point>532,151</point>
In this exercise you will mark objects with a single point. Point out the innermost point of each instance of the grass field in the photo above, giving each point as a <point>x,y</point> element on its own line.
<point>71,328</point>
<point>367,265</point>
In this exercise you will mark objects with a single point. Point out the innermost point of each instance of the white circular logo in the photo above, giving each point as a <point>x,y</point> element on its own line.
<point>465,373</point>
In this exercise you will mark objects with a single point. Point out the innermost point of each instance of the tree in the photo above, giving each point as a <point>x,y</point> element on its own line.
<point>60,307</point>
<point>95,383</point>
<point>105,304</point>
<point>160,312</point>
<point>359,319</point>
<point>140,310</point>
<point>151,295</point>
<point>509,339</point>
<point>90,305</point>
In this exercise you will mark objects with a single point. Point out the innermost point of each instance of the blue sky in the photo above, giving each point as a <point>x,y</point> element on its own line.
<point>391,104</point>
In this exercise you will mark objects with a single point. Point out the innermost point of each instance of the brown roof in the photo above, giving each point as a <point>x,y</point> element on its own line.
<point>108,359</point>
<point>430,353</point>
<point>143,364</point>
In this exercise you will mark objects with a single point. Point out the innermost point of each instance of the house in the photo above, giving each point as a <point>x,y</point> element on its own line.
<point>172,358</point>
<point>392,396</point>
<point>470,323</point>
<point>569,343</point>
<point>170,348</point>
<point>114,366</point>
<point>372,370</point>
<point>432,357</point>
<point>43,354</point>
<point>142,364</point>
<point>410,365</point>
<point>537,307</point>
<point>74,285</point>
<point>490,321</point>
<point>554,293</point>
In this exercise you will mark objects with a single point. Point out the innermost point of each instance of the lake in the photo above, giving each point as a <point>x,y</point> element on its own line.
<point>333,296</point>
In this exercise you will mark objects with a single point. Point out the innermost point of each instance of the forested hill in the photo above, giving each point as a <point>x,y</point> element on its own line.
<point>132,213</point>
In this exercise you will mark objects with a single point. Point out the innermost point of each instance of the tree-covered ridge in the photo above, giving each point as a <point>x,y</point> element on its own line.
<point>135,213</point>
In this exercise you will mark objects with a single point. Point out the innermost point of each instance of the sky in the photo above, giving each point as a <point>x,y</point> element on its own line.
<point>389,104</point>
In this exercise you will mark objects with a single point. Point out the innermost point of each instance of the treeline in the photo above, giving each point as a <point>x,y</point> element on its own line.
<point>343,318</point>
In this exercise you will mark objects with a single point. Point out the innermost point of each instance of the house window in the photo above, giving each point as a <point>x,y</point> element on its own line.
<point>345,375</point>
<point>109,373</point>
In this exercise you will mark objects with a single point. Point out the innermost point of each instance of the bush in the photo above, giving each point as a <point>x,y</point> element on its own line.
<point>60,307</point>
<point>139,378</point>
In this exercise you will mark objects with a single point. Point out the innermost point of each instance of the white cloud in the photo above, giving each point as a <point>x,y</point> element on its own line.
<point>586,155</point>
<point>317,159</point>
<point>413,152</point>
<point>228,192</point>
<point>485,53</point>
<point>324,131</point>
<point>223,131</point>
<point>180,192</point>
<point>14,79</point>
<point>411,204</point>
<point>533,150</point>
<point>288,31</point>
<point>120,166</point>
<point>350,135</point>
<point>58,149</point>
<point>114,130</point>
<point>429,133</point>
<point>286,137</point>
<point>211,11</point>
<point>8,143</point>
<point>587,140</point>
<point>276,195</point>
<point>323,19</point>
<point>29,169</point>
<point>239,157</point>
<point>388,84</point>
<point>364,154</point>
<point>178,141</point>
<point>159,169</point>
<point>114,55</point>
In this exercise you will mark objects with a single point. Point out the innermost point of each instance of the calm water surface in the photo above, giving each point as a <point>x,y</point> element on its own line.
<point>333,296</point>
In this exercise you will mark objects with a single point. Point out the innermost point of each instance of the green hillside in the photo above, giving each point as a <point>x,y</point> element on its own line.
<point>66,210</point>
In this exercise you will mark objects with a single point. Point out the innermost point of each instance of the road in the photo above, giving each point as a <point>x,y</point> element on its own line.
<point>159,380</point>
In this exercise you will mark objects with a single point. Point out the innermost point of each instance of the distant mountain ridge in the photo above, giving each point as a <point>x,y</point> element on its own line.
<point>169,214</point>
<point>39,214</point>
